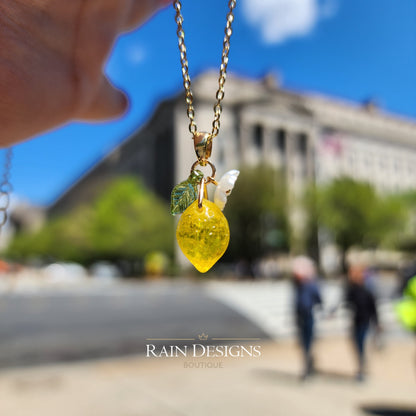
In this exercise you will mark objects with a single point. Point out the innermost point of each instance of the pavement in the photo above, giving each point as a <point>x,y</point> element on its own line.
<point>185,386</point>
<point>52,323</point>
<point>269,304</point>
<point>42,322</point>
<point>54,320</point>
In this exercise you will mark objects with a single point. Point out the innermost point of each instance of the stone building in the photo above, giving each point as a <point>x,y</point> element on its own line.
<point>311,137</point>
<point>308,136</point>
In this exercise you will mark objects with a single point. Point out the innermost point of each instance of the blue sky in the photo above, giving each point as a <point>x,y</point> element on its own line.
<point>350,49</point>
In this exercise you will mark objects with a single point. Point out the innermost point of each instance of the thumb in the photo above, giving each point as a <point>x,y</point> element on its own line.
<point>108,102</point>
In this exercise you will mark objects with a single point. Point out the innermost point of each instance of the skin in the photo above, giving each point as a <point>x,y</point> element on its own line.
<point>356,274</point>
<point>52,54</point>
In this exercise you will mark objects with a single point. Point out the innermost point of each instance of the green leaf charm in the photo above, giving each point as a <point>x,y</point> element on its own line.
<point>185,193</point>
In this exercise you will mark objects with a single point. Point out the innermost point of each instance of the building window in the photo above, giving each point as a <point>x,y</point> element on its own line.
<point>382,164</point>
<point>280,141</point>
<point>396,165</point>
<point>302,144</point>
<point>258,136</point>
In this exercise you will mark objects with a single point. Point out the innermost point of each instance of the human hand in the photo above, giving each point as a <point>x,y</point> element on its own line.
<point>52,54</point>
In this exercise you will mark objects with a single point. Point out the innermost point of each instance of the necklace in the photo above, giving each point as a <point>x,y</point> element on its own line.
<point>203,233</point>
<point>5,187</point>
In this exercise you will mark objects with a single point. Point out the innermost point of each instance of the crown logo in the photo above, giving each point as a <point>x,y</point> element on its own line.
<point>203,336</point>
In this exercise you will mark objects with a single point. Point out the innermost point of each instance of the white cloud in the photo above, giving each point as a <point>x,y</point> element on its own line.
<point>135,54</point>
<point>279,20</point>
<point>329,8</point>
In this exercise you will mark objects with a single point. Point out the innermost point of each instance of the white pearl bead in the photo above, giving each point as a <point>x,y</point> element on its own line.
<point>224,188</point>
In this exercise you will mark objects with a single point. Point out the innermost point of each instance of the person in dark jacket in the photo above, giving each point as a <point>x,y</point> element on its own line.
<point>307,296</point>
<point>362,303</point>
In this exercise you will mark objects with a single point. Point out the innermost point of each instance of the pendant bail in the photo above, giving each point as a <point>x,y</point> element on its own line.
<point>203,147</point>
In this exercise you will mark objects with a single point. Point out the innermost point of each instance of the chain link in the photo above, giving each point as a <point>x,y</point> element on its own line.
<point>5,187</point>
<point>189,98</point>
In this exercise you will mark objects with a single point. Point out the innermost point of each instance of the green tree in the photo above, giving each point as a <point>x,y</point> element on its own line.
<point>406,239</point>
<point>125,222</point>
<point>256,212</point>
<point>61,238</point>
<point>354,214</point>
<point>130,221</point>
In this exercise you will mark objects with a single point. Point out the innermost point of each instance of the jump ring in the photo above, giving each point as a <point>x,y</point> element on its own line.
<point>213,169</point>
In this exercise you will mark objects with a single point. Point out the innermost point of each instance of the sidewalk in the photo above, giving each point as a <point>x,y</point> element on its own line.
<point>268,385</point>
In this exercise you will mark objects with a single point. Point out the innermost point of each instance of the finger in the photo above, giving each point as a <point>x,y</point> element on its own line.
<point>99,24</point>
<point>141,10</point>
<point>108,102</point>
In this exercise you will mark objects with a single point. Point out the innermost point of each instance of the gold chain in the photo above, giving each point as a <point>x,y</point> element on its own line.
<point>189,98</point>
<point>5,187</point>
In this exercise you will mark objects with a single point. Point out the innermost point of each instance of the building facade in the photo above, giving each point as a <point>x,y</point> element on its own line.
<point>309,137</point>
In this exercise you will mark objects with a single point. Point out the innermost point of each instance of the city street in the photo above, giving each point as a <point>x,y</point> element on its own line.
<point>208,208</point>
<point>88,341</point>
<point>87,320</point>
<point>41,323</point>
<point>266,386</point>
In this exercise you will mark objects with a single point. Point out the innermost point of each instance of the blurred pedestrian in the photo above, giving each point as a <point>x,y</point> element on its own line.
<point>307,296</point>
<point>360,299</point>
<point>406,273</point>
<point>406,307</point>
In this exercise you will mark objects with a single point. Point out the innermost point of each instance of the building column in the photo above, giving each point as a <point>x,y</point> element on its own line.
<point>269,153</point>
<point>245,132</point>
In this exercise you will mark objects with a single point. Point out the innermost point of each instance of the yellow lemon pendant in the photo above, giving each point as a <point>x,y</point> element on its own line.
<point>203,234</point>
